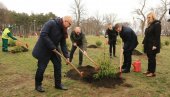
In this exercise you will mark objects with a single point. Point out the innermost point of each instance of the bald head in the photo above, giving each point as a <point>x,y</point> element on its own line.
<point>77,30</point>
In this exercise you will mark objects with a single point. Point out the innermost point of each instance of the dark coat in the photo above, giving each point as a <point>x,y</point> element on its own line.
<point>152,37</point>
<point>112,36</point>
<point>52,34</point>
<point>129,38</point>
<point>80,39</point>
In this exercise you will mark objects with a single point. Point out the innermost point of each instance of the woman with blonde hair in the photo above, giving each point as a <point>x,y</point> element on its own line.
<point>152,42</point>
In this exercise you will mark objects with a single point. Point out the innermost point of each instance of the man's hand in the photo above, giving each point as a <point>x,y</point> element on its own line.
<point>67,61</point>
<point>85,53</point>
<point>54,50</point>
<point>75,44</point>
<point>154,47</point>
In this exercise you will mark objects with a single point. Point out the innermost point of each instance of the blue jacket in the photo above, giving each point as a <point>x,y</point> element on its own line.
<point>52,35</point>
<point>129,38</point>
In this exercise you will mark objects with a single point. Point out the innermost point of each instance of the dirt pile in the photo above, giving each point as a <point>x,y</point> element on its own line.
<point>89,71</point>
<point>92,46</point>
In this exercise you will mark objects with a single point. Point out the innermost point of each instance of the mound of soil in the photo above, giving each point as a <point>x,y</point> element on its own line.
<point>92,46</point>
<point>18,49</point>
<point>88,72</point>
<point>136,52</point>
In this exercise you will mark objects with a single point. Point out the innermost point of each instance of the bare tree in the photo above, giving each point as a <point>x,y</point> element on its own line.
<point>162,9</point>
<point>109,18</point>
<point>140,12</point>
<point>78,11</point>
<point>2,6</point>
<point>165,4</point>
<point>165,26</point>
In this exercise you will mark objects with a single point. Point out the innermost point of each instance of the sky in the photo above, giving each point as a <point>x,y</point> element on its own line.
<point>122,8</point>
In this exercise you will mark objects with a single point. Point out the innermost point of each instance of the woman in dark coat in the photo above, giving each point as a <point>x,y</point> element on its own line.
<point>152,43</point>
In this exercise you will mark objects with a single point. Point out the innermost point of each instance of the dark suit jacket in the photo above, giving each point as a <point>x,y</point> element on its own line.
<point>129,38</point>
<point>152,37</point>
<point>52,35</point>
<point>112,36</point>
<point>80,39</point>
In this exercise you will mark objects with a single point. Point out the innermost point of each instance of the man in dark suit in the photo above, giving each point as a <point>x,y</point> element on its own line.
<point>78,39</point>
<point>152,42</point>
<point>112,37</point>
<point>130,43</point>
<point>53,33</point>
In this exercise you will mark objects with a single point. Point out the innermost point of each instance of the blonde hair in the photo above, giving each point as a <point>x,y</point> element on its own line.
<point>153,15</point>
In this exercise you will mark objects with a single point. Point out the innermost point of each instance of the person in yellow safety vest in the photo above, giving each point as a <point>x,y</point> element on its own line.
<point>6,34</point>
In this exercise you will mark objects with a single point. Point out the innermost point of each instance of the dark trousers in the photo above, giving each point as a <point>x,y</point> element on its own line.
<point>80,54</point>
<point>151,62</point>
<point>112,48</point>
<point>42,64</point>
<point>4,45</point>
<point>127,60</point>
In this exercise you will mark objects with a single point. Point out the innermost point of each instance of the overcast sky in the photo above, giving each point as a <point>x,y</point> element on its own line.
<point>122,8</point>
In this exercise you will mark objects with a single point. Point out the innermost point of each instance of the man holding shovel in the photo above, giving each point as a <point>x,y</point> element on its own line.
<point>53,33</point>
<point>78,39</point>
<point>130,42</point>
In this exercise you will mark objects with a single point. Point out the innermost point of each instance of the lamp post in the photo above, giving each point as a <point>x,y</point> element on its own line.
<point>34,25</point>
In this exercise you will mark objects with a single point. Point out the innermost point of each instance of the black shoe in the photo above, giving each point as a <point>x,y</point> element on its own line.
<point>39,89</point>
<point>61,87</point>
<point>125,71</point>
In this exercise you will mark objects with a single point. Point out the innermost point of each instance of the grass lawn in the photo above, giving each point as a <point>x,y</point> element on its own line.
<point>17,72</point>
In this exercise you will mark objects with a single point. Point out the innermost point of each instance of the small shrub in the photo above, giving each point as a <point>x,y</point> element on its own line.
<point>166,43</point>
<point>98,43</point>
<point>106,71</point>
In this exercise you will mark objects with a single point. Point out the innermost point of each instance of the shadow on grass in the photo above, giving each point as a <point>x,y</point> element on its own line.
<point>89,71</point>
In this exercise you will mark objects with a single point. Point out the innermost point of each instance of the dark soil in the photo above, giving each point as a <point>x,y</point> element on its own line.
<point>20,49</point>
<point>88,72</point>
<point>92,46</point>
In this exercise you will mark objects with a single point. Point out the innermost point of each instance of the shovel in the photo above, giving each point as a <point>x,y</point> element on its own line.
<point>97,66</point>
<point>121,58</point>
<point>80,73</point>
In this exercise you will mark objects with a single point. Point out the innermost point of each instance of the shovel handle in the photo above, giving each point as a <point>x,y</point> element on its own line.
<point>121,58</point>
<point>80,73</point>
<point>88,57</point>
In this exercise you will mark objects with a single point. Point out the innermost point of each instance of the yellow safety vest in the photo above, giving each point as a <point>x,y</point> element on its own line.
<point>5,33</point>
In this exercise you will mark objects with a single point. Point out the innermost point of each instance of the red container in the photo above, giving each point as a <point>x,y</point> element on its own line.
<point>137,66</point>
